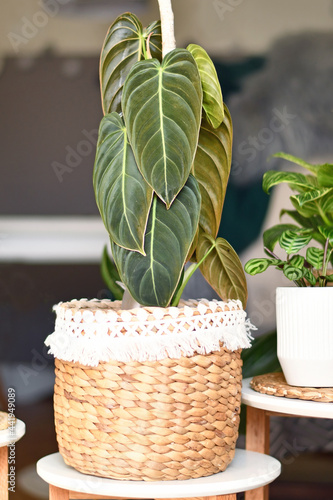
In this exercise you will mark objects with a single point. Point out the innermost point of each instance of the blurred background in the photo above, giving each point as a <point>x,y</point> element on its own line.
<point>275,64</point>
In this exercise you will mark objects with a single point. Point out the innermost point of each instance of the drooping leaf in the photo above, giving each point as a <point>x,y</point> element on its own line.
<point>259,265</point>
<point>298,161</point>
<point>123,46</point>
<point>325,175</point>
<point>293,273</point>
<point>110,275</point>
<point>122,195</point>
<point>211,168</point>
<point>212,94</point>
<point>162,111</point>
<point>222,268</point>
<point>315,257</point>
<point>272,235</point>
<point>273,177</point>
<point>152,279</point>
<point>293,241</point>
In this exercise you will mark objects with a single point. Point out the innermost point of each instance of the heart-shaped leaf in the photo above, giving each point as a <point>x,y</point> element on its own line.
<point>222,268</point>
<point>212,95</point>
<point>162,111</point>
<point>122,195</point>
<point>211,168</point>
<point>152,279</point>
<point>123,46</point>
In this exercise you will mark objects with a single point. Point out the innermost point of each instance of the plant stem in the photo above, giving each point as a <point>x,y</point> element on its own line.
<point>167,24</point>
<point>188,273</point>
<point>325,261</point>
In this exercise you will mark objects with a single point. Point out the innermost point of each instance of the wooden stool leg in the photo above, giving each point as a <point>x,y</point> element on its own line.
<point>56,493</point>
<point>3,473</point>
<point>257,439</point>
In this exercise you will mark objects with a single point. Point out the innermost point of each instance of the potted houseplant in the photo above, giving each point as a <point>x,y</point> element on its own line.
<point>304,311</point>
<point>149,388</point>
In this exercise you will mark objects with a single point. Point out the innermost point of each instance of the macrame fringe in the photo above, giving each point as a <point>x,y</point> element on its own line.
<point>99,346</point>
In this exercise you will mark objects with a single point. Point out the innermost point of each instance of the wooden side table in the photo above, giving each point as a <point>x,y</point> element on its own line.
<point>259,408</point>
<point>247,470</point>
<point>8,437</point>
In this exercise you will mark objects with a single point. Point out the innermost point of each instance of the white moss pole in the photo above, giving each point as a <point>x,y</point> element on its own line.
<point>168,28</point>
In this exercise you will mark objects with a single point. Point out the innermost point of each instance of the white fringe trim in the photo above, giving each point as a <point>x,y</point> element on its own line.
<point>90,332</point>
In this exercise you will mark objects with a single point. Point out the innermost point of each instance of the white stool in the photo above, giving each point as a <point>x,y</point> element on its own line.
<point>259,409</point>
<point>248,470</point>
<point>8,437</point>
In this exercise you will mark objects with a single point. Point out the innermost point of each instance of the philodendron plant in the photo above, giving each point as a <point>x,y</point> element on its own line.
<point>313,214</point>
<point>162,164</point>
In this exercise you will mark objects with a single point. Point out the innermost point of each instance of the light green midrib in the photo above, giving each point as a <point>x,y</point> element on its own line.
<point>162,129</point>
<point>124,189</point>
<point>152,247</point>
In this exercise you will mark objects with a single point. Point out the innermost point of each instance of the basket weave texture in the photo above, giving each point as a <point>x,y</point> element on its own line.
<point>172,416</point>
<point>157,420</point>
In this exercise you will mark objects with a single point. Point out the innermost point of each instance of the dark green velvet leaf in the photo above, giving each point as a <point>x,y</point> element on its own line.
<point>152,279</point>
<point>212,94</point>
<point>123,46</point>
<point>162,106</point>
<point>211,169</point>
<point>222,268</point>
<point>122,195</point>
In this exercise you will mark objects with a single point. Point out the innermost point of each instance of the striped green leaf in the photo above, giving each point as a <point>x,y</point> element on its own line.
<point>222,268</point>
<point>310,277</point>
<point>315,257</point>
<point>297,261</point>
<point>293,241</point>
<point>314,202</point>
<point>272,235</point>
<point>259,265</point>
<point>211,168</point>
<point>162,109</point>
<point>293,273</point>
<point>298,161</point>
<point>122,195</point>
<point>273,177</point>
<point>212,95</point>
<point>123,46</point>
<point>327,233</point>
<point>152,279</point>
<point>325,175</point>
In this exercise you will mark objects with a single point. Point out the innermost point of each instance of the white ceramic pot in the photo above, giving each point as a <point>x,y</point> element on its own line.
<point>304,320</point>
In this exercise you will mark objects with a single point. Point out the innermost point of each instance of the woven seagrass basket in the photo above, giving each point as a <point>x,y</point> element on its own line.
<point>161,419</point>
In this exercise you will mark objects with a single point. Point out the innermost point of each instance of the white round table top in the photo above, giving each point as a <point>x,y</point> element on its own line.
<point>12,434</point>
<point>280,404</point>
<point>247,471</point>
